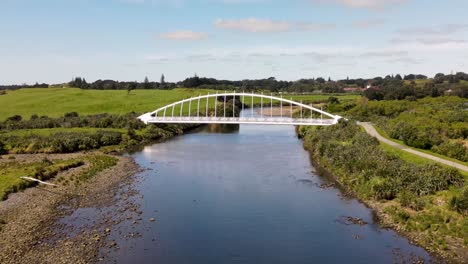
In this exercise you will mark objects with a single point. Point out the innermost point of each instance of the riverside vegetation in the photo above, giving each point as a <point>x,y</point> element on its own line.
<point>438,125</point>
<point>428,202</point>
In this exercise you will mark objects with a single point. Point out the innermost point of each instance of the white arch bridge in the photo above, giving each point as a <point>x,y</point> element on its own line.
<point>174,113</point>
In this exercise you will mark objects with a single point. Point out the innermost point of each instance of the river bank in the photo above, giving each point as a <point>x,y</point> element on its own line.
<point>31,233</point>
<point>426,219</point>
<point>32,225</point>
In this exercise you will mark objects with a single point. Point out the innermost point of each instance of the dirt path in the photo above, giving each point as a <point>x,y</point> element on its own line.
<point>371,131</point>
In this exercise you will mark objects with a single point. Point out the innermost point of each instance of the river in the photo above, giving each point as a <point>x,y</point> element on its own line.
<point>249,195</point>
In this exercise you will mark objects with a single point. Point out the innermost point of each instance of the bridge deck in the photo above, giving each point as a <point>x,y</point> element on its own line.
<point>242,120</point>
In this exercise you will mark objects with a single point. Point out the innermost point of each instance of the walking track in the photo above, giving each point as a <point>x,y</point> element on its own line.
<point>371,131</point>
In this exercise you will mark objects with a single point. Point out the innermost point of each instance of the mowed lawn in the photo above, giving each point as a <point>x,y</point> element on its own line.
<point>54,102</point>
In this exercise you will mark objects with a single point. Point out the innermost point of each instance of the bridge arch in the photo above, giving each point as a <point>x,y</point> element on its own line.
<point>169,115</point>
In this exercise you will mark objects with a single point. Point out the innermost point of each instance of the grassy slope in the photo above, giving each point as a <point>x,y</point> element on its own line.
<point>55,102</point>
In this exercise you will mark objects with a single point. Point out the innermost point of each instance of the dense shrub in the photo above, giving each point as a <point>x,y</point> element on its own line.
<point>62,142</point>
<point>437,124</point>
<point>454,149</point>
<point>410,200</point>
<point>66,142</point>
<point>153,133</point>
<point>70,120</point>
<point>460,202</point>
<point>15,118</point>
<point>365,166</point>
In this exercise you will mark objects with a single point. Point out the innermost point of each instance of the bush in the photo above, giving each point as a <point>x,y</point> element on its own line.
<point>410,200</point>
<point>73,119</point>
<point>459,202</point>
<point>71,115</point>
<point>67,142</point>
<point>362,165</point>
<point>431,178</point>
<point>384,188</point>
<point>15,118</point>
<point>454,150</point>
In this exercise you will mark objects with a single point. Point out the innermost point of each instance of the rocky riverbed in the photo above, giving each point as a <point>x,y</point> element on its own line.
<point>32,229</point>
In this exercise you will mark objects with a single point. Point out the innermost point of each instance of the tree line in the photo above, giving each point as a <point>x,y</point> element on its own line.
<point>390,87</point>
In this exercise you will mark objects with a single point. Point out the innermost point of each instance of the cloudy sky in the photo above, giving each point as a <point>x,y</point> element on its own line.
<point>55,40</point>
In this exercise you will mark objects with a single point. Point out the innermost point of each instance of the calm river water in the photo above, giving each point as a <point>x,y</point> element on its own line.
<point>249,196</point>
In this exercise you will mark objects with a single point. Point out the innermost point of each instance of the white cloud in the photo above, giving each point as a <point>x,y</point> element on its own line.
<point>314,26</point>
<point>253,25</point>
<point>441,30</point>
<point>369,4</point>
<point>385,53</point>
<point>429,40</point>
<point>184,35</point>
<point>368,23</point>
<point>435,35</point>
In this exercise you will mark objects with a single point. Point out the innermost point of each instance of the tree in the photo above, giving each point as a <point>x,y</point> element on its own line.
<point>131,87</point>
<point>146,84</point>
<point>374,94</point>
<point>398,77</point>
<point>163,80</point>
<point>435,91</point>
<point>439,78</point>
<point>320,80</point>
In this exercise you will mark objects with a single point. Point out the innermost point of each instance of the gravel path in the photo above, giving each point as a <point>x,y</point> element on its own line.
<point>371,131</point>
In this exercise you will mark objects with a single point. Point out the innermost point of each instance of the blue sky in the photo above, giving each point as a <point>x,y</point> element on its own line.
<point>55,40</point>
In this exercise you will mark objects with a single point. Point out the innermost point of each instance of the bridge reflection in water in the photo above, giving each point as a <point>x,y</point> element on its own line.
<point>167,114</point>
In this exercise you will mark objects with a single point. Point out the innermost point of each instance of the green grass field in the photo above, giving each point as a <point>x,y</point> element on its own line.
<point>54,102</point>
